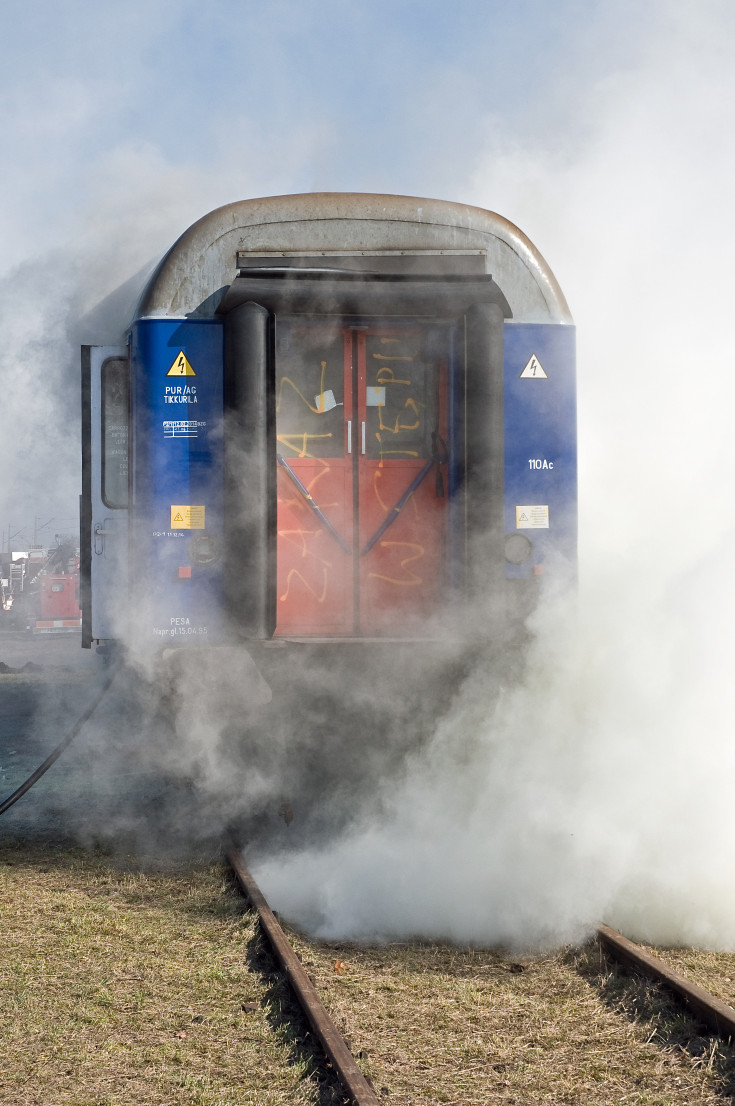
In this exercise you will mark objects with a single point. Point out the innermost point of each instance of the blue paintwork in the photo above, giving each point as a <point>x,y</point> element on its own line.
<point>172,469</point>
<point>168,468</point>
<point>541,426</point>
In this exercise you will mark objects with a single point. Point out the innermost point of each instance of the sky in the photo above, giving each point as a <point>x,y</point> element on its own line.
<point>124,123</point>
<point>593,126</point>
<point>605,131</point>
<point>107,107</point>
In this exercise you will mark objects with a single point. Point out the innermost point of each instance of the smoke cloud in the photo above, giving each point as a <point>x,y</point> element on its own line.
<point>589,778</point>
<point>596,784</point>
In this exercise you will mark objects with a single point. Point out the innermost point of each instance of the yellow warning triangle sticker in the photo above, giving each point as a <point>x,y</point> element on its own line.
<point>181,366</point>
<point>534,370</point>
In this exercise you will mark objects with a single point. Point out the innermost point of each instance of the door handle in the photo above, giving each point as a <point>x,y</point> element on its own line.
<point>349,435</point>
<point>100,533</point>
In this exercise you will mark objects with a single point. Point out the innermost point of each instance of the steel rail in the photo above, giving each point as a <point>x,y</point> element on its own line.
<point>711,1010</point>
<point>332,1041</point>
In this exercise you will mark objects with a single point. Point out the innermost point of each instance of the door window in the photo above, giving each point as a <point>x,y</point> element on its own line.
<point>115,383</point>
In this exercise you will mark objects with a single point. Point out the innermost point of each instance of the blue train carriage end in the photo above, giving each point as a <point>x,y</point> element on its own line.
<point>540,450</point>
<point>331,418</point>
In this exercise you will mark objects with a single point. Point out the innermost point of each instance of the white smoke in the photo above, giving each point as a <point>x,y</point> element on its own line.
<point>598,785</point>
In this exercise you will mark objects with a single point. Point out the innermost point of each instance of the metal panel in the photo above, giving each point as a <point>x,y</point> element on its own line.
<point>291,291</point>
<point>177,538</point>
<point>198,268</point>
<point>484,432</point>
<point>540,447</point>
<point>250,471</point>
<point>104,521</point>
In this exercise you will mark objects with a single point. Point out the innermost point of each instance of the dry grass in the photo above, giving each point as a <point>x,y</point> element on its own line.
<point>715,971</point>
<point>676,1029</point>
<point>445,1025</point>
<point>121,986</point>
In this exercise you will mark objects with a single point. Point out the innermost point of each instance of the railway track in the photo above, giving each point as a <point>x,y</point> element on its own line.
<point>187,995</point>
<point>335,1047</point>
<point>705,1007</point>
<point>717,1015</point>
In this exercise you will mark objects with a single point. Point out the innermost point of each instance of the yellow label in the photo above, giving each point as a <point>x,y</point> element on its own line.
<point>534,517</point>
<point>186,517</point>
<point>181,366</point>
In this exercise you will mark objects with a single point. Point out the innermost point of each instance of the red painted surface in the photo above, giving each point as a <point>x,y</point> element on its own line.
<point>59,596</point>
<point>360,414</point>
<point>401,576</point>
<point>314,576</point>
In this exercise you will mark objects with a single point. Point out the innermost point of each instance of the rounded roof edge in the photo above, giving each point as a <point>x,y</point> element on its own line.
<point>202,260</point>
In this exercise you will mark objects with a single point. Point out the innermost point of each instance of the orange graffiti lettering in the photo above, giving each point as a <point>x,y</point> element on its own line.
<point>385,506</point>
<point>296,500</point>
<point>410,403</point>
<point>287,380</point>
<point>394,452</point>
<point>290,441</point>
<point>387,376</point>
<point>300,538</point>
<point>411,580</point>
<point>294,574</point>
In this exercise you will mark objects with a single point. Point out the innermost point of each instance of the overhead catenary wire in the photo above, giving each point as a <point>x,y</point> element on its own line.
<point>56,753</point>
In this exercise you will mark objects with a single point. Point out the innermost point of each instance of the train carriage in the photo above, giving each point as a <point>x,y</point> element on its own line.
<point>333,418</point>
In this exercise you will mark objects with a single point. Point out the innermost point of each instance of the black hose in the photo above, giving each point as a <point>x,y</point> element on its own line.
<point>54,756</point>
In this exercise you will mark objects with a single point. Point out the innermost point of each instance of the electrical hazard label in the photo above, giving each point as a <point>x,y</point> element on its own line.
<point>186,517</point>
<point>532,518</point>
<point>181,366</point>
<point>534,370</point>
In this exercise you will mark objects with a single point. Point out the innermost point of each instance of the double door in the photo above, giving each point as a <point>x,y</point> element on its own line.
<point>361,427</point>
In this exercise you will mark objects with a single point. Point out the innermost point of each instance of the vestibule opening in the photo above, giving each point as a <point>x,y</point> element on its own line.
<point>363,474</point>
<point>348,461</point>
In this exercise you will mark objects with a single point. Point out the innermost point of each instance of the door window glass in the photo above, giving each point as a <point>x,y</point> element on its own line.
<point>400,396</point>
<point>309,389</point>
<point>115,418</point>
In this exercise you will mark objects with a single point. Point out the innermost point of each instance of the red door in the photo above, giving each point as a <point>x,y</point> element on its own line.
<point>361,427</point>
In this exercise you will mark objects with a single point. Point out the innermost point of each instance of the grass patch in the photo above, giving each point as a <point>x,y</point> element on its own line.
<point>682,1039</point>
<point>121,986</point>
<point>439,1024</point>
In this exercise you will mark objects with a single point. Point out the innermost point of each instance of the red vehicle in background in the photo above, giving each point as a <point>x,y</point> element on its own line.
<point>57,594</point>
<point>43,591</point>
<point>58,600</point>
